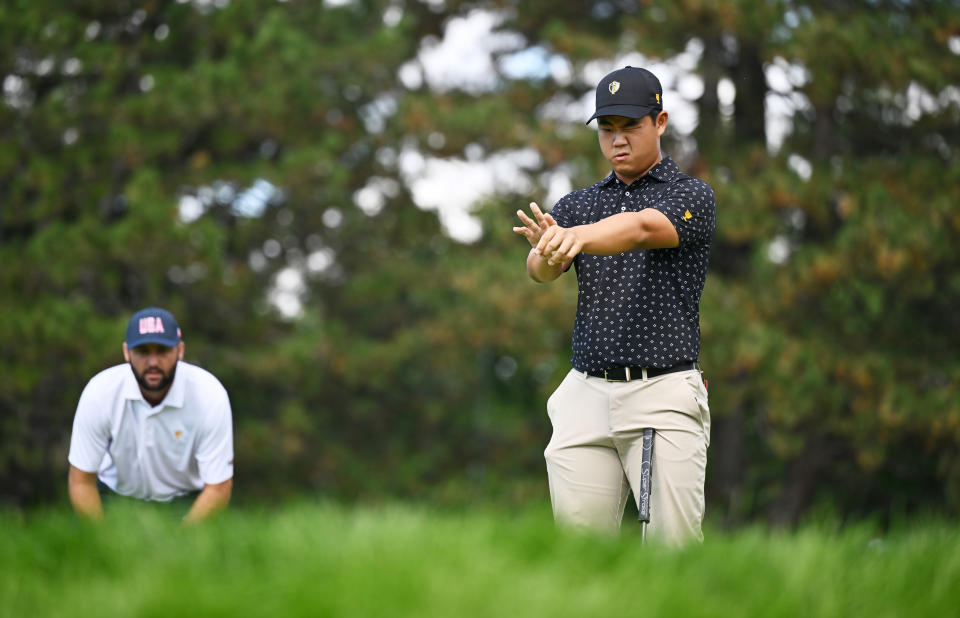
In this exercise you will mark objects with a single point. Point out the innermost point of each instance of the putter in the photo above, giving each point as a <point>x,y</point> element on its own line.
<point>646,469</point>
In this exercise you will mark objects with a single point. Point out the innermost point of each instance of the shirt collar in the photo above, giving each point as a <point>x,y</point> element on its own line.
<point>174,398</point>
<point>131,390</point>
<point>664,171</point>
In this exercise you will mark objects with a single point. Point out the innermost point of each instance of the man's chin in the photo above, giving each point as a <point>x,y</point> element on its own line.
<point>627,168</point>
<point>147,384</point>
<point>159,385</point>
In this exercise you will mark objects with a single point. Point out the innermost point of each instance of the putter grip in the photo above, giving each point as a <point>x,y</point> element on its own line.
<point>646,469</point>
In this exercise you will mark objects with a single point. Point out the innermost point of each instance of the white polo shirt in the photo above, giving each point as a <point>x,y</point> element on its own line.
<point>154,453</point>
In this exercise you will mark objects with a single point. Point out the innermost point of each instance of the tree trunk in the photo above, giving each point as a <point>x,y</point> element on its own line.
<point>751,86</point>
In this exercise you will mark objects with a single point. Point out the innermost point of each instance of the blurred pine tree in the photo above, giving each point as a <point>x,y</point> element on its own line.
<point>233,161</point>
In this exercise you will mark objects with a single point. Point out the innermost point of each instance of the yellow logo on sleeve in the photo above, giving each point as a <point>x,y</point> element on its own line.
<point>178,433</point>
<point>687,216</point>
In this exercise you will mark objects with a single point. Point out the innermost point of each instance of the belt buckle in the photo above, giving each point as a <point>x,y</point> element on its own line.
<point>609,379</point>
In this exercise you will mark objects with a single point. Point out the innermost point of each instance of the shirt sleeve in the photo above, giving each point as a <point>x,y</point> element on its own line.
<point>215,451</point>
<point>562,212</point>
<point>91,431</point>
<point>692,209</point>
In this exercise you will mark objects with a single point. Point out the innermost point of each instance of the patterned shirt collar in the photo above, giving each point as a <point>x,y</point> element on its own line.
<point>664,171</point>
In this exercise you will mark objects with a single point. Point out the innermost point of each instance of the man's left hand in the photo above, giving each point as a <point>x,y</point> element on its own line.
<point>213,499</point>
<point>559,245</point>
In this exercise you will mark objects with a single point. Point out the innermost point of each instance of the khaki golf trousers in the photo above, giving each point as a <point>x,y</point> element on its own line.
<point>593,458</point>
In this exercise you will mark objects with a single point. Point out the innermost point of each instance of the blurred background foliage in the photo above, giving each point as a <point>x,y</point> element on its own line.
<point>263,169</point>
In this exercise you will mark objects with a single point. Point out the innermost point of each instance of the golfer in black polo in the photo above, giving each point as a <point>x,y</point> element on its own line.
<point>640,242</point>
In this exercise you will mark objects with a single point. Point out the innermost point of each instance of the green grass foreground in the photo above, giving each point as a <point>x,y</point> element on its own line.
<point>327,560</point>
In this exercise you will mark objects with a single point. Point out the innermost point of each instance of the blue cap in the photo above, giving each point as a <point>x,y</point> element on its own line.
<point>153,325</point>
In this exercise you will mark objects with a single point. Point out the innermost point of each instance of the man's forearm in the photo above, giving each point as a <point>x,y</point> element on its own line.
<point>626,231</point>
<point>212,500</point>
<point>539,270</point>
<point>84,495</point>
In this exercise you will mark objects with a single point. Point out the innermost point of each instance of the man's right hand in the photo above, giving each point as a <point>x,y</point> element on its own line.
<point>541,226</point>
<point>534,228</point>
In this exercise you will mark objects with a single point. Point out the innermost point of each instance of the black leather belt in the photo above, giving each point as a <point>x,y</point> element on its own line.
<point>626,374</point>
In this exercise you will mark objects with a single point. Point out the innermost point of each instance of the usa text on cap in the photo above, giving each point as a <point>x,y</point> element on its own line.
<point>153,325</point>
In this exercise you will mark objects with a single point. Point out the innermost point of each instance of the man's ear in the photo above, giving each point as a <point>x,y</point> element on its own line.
<point>661,123</point>
<point>180,348</point>
<point>126,352</point>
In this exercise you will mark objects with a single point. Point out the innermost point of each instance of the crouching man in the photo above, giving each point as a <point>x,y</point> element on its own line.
<point>154,428</point>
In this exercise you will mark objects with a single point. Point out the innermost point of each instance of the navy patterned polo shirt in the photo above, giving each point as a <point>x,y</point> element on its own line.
<point>641,307</point>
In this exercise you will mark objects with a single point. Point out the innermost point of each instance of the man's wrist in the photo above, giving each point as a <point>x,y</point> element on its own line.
<point>582,232</point>
<point>539,269</point>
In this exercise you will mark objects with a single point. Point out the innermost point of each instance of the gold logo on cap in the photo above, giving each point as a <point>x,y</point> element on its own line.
<point>613,87</point>
<point>658,98</point>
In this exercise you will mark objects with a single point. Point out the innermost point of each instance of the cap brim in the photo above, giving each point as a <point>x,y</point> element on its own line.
<point>627,111</point>
<point>165,341</point>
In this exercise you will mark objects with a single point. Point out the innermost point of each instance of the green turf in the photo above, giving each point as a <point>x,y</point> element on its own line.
<point>326,560</point>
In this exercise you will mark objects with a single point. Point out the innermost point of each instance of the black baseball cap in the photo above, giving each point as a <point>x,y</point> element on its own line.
<point>629,92</point>
<point>153,325</point>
